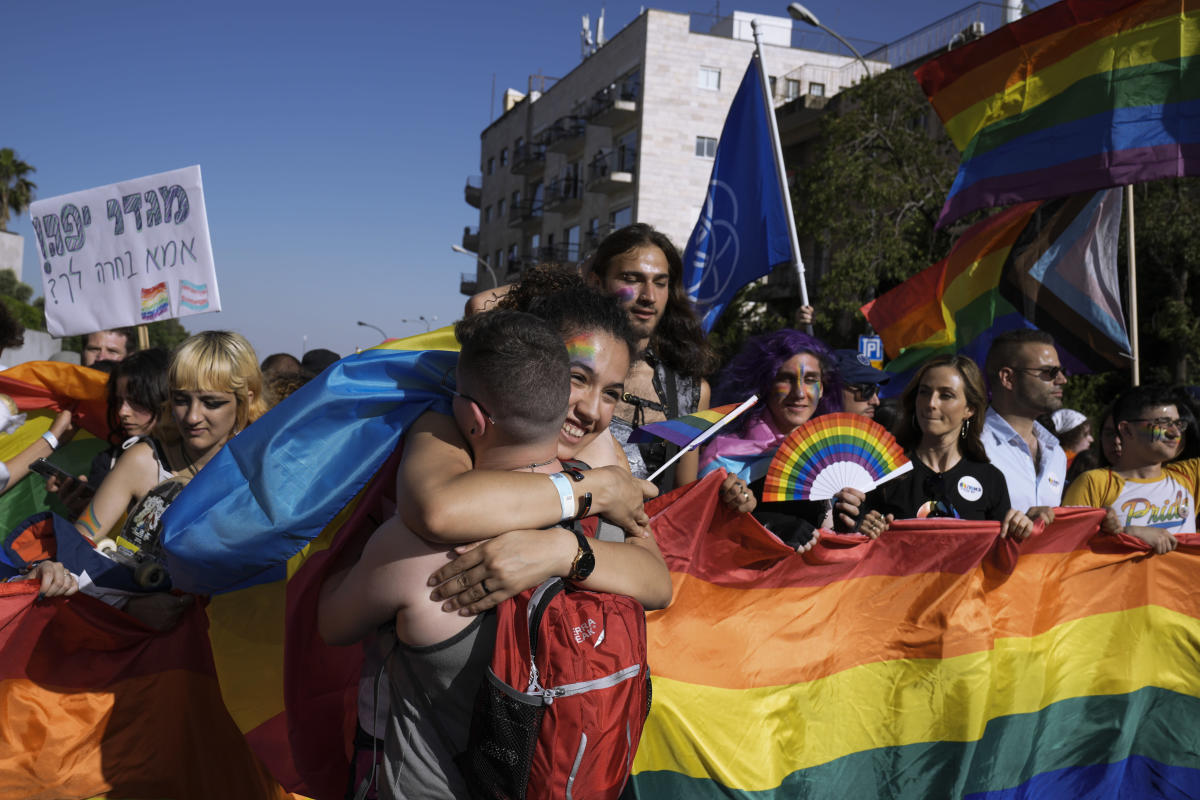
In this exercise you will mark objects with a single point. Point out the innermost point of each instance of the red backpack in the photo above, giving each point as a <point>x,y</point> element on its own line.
<point>560,712</point>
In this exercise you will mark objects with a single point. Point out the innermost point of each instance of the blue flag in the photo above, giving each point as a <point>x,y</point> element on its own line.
<point>742,231</point>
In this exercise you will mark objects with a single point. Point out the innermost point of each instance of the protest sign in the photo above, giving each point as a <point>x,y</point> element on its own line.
<point>126,254</point>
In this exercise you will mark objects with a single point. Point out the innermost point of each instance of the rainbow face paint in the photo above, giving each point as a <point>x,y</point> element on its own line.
<point>582,348</point>
<point>626,294</point>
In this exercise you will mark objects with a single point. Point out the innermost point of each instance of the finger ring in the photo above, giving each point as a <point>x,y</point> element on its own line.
<point>483,583</point>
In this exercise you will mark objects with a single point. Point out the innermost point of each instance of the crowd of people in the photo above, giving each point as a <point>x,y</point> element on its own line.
<point>555,373</point>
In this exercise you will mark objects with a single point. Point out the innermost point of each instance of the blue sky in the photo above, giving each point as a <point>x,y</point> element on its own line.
<point>334,142</point>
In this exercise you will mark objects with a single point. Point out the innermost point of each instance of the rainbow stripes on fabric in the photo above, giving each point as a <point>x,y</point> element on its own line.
<point>937,661</point>
<point>1048,265</point>
<point>1079,96</point>
<point>682,430</point>
<point>829,453</point>
<point>262,523</point>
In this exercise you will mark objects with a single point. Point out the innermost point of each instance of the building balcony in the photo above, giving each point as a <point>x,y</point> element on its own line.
<point>470,239</point>
<point>473,193</point>
<point>529,159</point>
<point>564,195</point>
<point>615,105</point>
<point>558,253</point>
<point>612,171</point>
<point>566,135</point>
<point>468,284</point>
<point>526,214</point>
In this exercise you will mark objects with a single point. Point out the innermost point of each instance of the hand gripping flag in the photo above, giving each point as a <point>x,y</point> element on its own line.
<point>742,231</point>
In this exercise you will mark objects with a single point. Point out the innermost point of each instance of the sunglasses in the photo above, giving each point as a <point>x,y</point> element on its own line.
<point>446,385</point>
<point>1180,425</point>
<point>863,391</point>
<point>1047,374</point>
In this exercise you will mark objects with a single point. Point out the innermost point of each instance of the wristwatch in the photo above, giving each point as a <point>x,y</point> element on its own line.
<point>585,560</point>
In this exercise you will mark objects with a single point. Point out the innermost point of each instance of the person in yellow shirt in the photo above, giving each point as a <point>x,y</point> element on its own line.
<point>1153,499</point>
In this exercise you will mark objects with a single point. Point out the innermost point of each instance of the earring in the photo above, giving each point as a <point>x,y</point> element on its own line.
<point>473,430</point>
<point>966,426</point>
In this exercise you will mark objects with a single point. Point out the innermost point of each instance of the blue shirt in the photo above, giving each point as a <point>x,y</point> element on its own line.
<point>1027,486</point>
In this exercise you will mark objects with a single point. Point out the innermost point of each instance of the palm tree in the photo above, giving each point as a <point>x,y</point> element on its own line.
<point>16,190</point>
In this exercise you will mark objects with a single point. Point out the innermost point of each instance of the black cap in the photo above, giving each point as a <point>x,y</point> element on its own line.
<point>855,368</point>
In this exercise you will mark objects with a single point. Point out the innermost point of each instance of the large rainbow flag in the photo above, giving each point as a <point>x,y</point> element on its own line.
<point>1049,265</point>
<point>262,523</point>
<point>937,661</point>
<point>1082,95</point>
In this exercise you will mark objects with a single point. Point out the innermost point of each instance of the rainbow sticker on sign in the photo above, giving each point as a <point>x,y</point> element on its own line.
<point>193,296</point>
<point>155,302</point>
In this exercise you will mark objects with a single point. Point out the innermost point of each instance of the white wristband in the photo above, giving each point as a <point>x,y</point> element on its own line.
<point>566,494</point>
<point>51,440</point>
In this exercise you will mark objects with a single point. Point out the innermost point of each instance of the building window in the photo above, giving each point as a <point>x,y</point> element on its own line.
<point>816,89</point>
<point>571,242</point>
<point>503,156</point>
<point>487,214</point>
<point>706,147</point>
<point>710,78</point>
<point>499,259</point>
<point>627,151</point>
<point>491,167</point>
<point>512,256</point>
<point>516,199</point>
<point>771,79</point>
<point>791,89</point>
<point>621,217</point>
<point>500,208</point>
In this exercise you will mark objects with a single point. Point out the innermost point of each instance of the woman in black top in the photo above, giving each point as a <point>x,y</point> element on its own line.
<point>939,429</point>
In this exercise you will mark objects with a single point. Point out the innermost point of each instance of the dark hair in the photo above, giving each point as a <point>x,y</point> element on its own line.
<point>277,363</point>
<point>12,332</point>
<point>908,433</point>
<point>678,339</point>
<point>317,361</point>
<point>516,365</point>
<point>1186,404</point>
<point>754,367</point>
<point>1003,350</point>
<point>1132,402</point>
<point>560,296</point>
<point>145,374</point>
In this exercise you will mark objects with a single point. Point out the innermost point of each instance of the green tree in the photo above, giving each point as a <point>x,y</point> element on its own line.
<point>870,197</point>
<point>16,190</point>
<point>167,334</point>
<point>15,295</point>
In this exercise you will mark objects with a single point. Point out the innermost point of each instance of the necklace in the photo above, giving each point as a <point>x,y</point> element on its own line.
<point>539,464</point>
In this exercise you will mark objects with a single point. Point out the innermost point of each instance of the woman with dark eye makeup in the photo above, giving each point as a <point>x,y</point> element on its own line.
<point>215,391</point>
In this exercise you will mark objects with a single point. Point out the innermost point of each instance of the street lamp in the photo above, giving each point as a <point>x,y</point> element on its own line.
<point>422,319</point>
<point>802,14</point>
<point>376,327</point>
<point>460,249</point>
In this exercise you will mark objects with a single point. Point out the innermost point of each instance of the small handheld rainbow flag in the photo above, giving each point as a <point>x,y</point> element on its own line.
<point>692,430</point>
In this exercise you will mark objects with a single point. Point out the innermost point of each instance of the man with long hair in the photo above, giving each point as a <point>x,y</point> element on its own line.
<point>641,267</point>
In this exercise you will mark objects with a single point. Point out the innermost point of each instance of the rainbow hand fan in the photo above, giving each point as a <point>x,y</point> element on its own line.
<point>832,452</point>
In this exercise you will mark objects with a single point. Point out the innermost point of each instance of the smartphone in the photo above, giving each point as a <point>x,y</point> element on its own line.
<point>44,467</point>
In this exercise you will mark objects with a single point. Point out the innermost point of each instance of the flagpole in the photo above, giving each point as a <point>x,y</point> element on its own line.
<point>1133,315</point>
<point>707,434</point>
<point>780,171</point>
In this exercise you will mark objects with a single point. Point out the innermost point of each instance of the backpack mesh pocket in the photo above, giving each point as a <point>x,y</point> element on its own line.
<point>504,733</point>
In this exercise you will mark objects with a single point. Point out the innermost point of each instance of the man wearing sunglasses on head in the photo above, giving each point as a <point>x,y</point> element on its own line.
<point>1026,380</point>
<point>860,383</point>
<point>1153,499</point>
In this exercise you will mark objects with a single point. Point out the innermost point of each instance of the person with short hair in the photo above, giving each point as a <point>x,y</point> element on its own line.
<point>280,364</point>
<point>1026,379</point>
<point>316,361</point>
<point>641,268</point>
<point>109,345</point>
<point>860,382</point>
<point>1153,497</point>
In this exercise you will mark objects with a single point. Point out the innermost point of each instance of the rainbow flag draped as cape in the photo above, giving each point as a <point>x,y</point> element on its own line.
<point>260,525</point>
<point>1079,96</point>
<point>1048,265</point>
<point>932,662</point>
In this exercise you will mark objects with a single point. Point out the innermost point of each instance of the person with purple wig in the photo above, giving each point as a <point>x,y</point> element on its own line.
<point>794,377</point>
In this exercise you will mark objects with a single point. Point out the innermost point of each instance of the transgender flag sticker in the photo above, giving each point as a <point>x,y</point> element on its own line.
<point>193,296</point>
<point>155,302</point>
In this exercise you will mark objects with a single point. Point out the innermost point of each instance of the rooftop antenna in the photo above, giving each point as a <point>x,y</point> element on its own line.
<point>600,29</point>
<point>585,38</point>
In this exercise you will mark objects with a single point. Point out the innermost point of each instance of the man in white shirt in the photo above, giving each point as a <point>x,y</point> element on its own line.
<point>1026,380</point>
